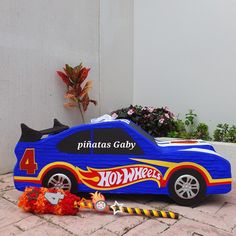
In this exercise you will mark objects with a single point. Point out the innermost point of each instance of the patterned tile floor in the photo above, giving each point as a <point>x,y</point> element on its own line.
<point>215,216</point>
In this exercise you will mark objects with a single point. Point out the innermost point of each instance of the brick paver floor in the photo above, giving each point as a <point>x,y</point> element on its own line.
<point>215,216</point>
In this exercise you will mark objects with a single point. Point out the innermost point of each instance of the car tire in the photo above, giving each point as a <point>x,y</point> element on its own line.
<point>187,187</point>
<point>60,178</point>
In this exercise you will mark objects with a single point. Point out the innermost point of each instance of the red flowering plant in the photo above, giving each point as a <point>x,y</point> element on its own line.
<point>77,89</point>
<point>156,121</point>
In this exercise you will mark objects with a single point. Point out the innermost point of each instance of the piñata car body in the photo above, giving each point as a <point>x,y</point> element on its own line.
<point>119,157</point>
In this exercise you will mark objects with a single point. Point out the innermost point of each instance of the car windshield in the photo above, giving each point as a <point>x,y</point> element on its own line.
<point>142,132</point>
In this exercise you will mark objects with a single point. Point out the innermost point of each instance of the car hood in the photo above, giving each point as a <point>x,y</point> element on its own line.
<point>193,145</point>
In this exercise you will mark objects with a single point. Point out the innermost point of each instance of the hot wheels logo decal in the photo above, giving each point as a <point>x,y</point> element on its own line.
<point>118,177</point>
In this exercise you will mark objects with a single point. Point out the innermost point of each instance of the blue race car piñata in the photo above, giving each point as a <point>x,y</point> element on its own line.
<point>117,156</point>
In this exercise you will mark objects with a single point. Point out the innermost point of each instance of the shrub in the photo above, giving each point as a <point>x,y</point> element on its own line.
<point>202,132</point>
<point>180,130</point>
<point>156,121</point>
<point>161,122</point>
<point>225,133</point>
<point>190,123</point>
<point>190,128</point>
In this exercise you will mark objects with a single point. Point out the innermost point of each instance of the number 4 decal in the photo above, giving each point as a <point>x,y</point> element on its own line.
<point>27,162</point>
<point>54,198</point>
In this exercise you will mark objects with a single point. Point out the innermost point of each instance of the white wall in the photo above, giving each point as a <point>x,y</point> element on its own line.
<point>36,39</point>
<point>39,37</point>
<point>116,53</point>
<point>185,55</point>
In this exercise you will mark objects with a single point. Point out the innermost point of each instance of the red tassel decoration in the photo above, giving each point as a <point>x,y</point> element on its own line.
<point>49,201</point>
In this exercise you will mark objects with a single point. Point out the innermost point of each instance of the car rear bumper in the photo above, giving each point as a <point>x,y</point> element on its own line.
<point>19,185</point>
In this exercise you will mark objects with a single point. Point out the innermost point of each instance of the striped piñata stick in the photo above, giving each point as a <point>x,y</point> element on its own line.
<point>134,211</point>
<point>147,212</point>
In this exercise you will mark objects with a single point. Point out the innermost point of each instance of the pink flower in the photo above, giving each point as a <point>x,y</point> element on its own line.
<point>167,115</point>
<point>130,112</point>
<point>114,115</point>
<point>150,109</point>
<point>161,121</point>
<point>172,115</point>
<point>166,108</point>
<point>147,116</point>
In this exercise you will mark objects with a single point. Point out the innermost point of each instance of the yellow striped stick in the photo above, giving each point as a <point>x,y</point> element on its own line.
<point>133,211</point>
<point>147,212</point>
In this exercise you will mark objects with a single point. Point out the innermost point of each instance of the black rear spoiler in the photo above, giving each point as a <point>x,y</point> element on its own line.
<point>31,135</point>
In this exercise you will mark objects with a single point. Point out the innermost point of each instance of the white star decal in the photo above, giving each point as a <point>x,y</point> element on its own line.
<point>117,207</point>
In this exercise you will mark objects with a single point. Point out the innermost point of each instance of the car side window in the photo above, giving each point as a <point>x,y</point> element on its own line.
<point>72,143</point>
<point>114,141</point>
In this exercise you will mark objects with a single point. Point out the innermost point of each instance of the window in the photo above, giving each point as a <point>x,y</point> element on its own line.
<point>142,132</point>
<point>114,141</point>
<point>78,143</point>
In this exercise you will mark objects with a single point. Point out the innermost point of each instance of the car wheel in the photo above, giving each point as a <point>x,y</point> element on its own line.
<point>187,187</point>
<point>60,178</point>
